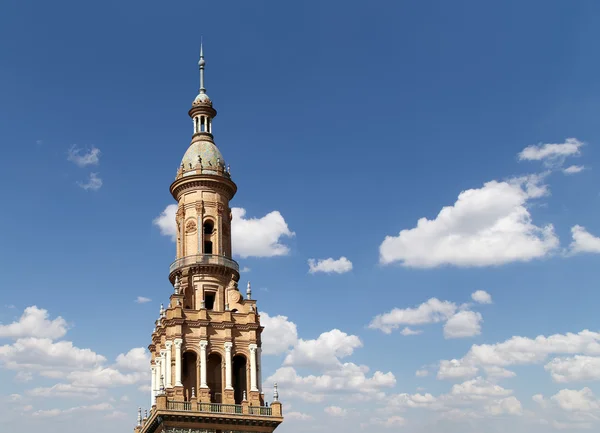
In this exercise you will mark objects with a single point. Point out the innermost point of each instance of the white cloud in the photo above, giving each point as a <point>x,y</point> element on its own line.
<point>392,421</point>
<point>166,222</point>
<point>486,226</point>
<point>456,369</point>
<point>90,157</point>
<point>479,387</point>
<point>481,297</point>
<point>65,390</point>
<point>43,353</point>
<point>431,311</point>
<point>552,153</point>
<point>94,183</point>
<point>463,324</point>
<point>330,265</point>
<point>279,334</point>
<point>575,368</point>
<point>422,373</point>
<point>59,412</point>
<point>35,323</point>
<point>259,237</point>
<point>583,241</point>
<point>299,416</point>
<point>250,237</point>
<point>137,359</point>
<point>245,269</point>
<point>495,372</point>
<point>106,377</point>
<point>509,406</point>
<point>346,379</point>
<point>573,169</point>
<point>142,300</point>
<point>325,351</point>
<point>406,331</point>
<point>520,351</point>
<point>335,411</point>
<point>576,401</point>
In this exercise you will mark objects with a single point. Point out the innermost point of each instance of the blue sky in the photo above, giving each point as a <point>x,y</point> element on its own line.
<point>344,125</point>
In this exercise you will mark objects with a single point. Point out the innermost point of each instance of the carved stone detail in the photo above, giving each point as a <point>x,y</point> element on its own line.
<point>190,226</point>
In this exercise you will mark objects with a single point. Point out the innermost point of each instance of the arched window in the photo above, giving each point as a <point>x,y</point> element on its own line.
<point>213,378</point>
<point>189,376</point>
<point>239,378</point>
<point>208,227</point>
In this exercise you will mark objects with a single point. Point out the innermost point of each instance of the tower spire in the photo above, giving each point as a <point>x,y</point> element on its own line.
<point>201,64</point>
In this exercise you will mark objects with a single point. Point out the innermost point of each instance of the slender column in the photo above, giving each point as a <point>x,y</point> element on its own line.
<point>158,365</point>
<point>200,214</point>
<point>153,386</point>
<point>163,368</point>
<point>221,250</point>
<point>228,346</point>
<point>253,348</point>
<point>178,342</point>
<point>168,379</point>
<point>203,346</point>
<point>259,368</point>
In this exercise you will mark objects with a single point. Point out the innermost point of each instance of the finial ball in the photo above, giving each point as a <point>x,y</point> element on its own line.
<point>201,62</point>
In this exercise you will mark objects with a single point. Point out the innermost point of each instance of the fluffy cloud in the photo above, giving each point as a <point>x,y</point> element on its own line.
<point>463,324</point>
<point>259,237</point>
<point>576,401</point>
<point>431,311</point>
<point>299,416</point>
<point>60,412</point>
<point>346,379</point>
<point>94,183</point>
<point>142,300</point>
<point>406,331</point>
<point>552,153</point>
<point>250,237</point>
<point>481,297</point>
<point>486,226</point>
<point>330,265</point>
<point>583,241</point>
<point>35,323</point>
<point>166,222</point>
<point>479,387</point>
<point>106,377</point>
<point>323,354</point>
<point>65,390</point>
<point>573,169</point>
<point>279,334</point>
<point>83,158</point>
<point>520,351</point>
<point>137,359</point>
<point>325,351</point>
<point>335,411</point>
<point>455,369</point>
<point>575,368</point>
<point>44,354</point>
<point>509,406</point>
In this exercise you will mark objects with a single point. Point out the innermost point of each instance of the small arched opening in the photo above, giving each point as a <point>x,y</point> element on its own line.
<point>208,229</point>
<point>189,374</point>
<point>214,378</point>
<point>239,378</point>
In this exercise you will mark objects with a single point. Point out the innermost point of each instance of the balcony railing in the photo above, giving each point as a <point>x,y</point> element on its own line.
<point>218,408</point>
<point>260,410</point>
<point>204,259</point>
<point>179,405</point>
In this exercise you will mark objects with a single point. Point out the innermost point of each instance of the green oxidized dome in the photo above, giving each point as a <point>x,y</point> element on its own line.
<point>210,154</point>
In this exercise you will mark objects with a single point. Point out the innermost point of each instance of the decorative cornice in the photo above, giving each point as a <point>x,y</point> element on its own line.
<point>196,181</point>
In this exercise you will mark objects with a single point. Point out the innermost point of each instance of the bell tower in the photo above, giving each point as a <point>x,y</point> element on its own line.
<point>206,345</point>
